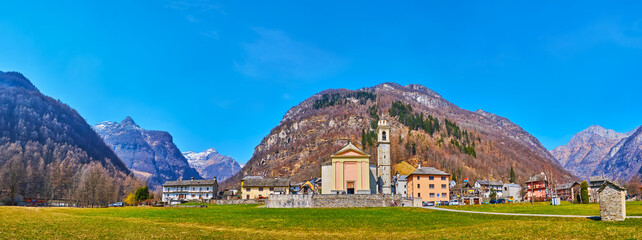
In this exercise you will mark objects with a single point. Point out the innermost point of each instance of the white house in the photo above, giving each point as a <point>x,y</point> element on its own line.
<point>485,186</point>
<point>401,182</point>
<point>189,190</point>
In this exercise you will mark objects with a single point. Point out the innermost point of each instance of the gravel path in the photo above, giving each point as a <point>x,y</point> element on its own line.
<point>522,214</point>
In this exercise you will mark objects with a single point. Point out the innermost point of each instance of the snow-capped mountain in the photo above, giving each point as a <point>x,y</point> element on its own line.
<point>210,163</point>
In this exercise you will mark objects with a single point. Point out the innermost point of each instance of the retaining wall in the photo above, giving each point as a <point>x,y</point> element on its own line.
<point>332,201</point>
<point>238,201</point>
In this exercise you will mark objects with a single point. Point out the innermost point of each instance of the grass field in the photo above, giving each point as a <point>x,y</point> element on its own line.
<point>252,222</point>
<point>566,208</point>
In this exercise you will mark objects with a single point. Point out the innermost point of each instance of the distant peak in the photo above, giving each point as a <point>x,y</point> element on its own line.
<point>128,121</point>
<point>16,79</point>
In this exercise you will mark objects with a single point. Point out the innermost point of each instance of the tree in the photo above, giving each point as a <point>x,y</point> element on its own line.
<point>584,195</point>
<point>11,175</point>
<point>142,194</point>
<point>130,199</point>
<point>493,194</point>
<point>633,185</point>
<point>363,139</point>
<point>512,175</point>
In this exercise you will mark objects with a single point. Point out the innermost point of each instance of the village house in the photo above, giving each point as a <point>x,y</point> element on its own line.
<point>259,188</point>
<point>595,183</point>
<point>429,184</point>
<point>189,190</point>
<point>568,191</point>
<point>512,192</point>
<point>486,186</point>
<point>536,188</point>
<point>401,187</point>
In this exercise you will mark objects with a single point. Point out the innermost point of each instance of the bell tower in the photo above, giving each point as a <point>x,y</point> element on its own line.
<point>383,157</point>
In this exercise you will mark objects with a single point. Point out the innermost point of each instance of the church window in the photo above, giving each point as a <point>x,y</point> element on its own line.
<point>383,135</point>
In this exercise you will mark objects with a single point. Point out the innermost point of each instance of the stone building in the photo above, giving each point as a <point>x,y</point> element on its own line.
<point>512,191</point>
<point>612,202</point>
<point>383,157</point>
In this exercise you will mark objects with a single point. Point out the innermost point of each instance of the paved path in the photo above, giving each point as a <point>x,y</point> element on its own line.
<point>522,214</point>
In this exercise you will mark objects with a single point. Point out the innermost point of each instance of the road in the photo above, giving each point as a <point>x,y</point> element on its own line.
<point>521,214</point>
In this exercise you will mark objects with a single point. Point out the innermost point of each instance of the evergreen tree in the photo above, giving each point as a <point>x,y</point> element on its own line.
<point>584,192</point>
<point>141,194</point>
<point>512,175</point>
<point>363,139</point>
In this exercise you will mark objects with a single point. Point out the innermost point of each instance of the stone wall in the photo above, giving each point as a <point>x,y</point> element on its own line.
<point>333,201</point>
<point>238,201</point>
<point>612,204</point>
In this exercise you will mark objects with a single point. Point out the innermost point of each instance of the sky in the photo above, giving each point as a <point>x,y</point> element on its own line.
<point>223,73</point>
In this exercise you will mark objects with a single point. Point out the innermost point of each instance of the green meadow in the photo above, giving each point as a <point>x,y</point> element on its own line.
<point>255,222</point>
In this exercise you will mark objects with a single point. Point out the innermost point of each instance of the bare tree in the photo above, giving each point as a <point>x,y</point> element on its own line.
<point>11,175</point>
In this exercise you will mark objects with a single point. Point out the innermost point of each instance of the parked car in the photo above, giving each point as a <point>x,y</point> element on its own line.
<point>493,201</point>
<point>118,204</point>
<point>454,202</point>
<point>501,200</point>
<point>444,203</point>
<point>428,204</point>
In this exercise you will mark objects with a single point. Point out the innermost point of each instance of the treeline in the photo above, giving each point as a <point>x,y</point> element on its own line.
<point>59,171</point>
<point>414,121</point>
<point>328,100</point>
<point>460,139</point>
<point>369,138</point>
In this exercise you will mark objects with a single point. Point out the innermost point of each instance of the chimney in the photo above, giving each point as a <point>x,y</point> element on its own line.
<point>419,165</point>
<point>214,178</point>
<point>192,178</point>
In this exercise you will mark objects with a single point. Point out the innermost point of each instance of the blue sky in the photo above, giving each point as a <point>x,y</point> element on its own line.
<point>222,73</point>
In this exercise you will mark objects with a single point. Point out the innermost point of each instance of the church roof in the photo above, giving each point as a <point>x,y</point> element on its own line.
<point>350,147</point>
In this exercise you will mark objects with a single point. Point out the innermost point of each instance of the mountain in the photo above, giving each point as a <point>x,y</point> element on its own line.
<point>425,127</point>
<point>46,146</point>
<point>593,151</point>
<point>210,163</point>
<point>149,154</point>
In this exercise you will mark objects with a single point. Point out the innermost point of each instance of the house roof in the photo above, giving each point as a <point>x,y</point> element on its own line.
<point>567,185</point>
<point>429,171</point>
<point>512,185</point>
<point>612,184</point>
<point>402,178</point>
<point>252,177</point>
<point>537,178</point>
<point>270,182</point>
<point>349,147</point>
<point>208,182</point>
<point>597,179</point>
<point>491,182</point>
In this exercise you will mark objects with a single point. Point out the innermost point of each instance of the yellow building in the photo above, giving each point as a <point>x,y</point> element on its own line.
<point>349,172</point>
<point>429,184</point>
<point>262,188</point>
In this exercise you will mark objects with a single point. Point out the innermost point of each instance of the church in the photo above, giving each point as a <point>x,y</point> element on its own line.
<point>350,171</point>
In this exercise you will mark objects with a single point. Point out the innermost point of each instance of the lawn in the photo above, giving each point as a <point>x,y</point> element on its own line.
<point>253,222</point>
<point>566,208</point>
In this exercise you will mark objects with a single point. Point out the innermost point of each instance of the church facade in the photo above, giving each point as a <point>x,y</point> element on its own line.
<point>350,171</point>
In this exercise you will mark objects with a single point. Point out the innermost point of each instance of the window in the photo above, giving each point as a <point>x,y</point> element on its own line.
<point>432,195</point>
<point>443,178</point>
<point>272,189</point>
<point>260,189</point>
<point>247,189</point>
<point>443,186</point>
<point>444,195</point>
<point>418,186</point>
<point>207,189</point>
<point>383,136</point>
<point>418,177</point>
<point>200,189</point>
<point>431,178</point>
<point>431,186</point>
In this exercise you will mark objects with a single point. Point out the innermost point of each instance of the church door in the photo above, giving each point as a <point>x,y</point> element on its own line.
<point>350,188</point>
